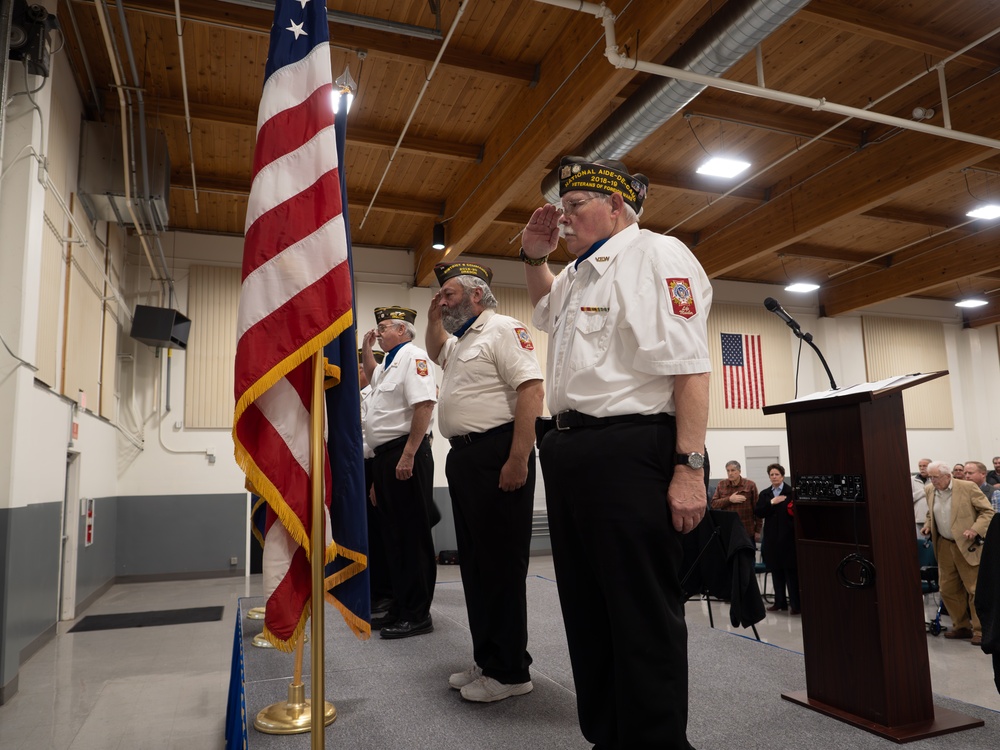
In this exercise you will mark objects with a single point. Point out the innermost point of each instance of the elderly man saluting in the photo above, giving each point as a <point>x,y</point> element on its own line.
<point>627,381</point>
<point>491,394</point>
<point>957,518</point>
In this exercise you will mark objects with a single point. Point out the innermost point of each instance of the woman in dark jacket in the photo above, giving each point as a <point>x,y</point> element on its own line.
<point>777,547</point>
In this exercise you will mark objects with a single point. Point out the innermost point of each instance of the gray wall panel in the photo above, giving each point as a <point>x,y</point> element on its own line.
<point>30,579</point>
<point>164,535</point>
<point>95,565</point>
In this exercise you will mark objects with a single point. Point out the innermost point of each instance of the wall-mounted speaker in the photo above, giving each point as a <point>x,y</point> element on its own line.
<point>29,42</point>
<point>161,327</point>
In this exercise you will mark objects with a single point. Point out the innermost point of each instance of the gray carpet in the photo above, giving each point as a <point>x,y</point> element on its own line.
<point>394,695</point>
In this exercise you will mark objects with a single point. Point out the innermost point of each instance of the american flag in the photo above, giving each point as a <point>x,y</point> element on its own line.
<point>296,298</point>
<point>742,371</point>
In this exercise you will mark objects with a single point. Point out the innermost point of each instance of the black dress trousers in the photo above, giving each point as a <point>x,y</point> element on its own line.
<point>493,528</point>
<point>406,530</point>
<point>617,559</point>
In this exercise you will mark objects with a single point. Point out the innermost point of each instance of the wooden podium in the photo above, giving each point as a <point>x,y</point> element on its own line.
<point>865,647</point>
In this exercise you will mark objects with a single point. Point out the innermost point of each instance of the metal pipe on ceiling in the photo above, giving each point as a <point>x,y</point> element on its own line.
<point>187,108</point>
<point>731,34</point>
<point>364,22</point>
<point>461,9</point>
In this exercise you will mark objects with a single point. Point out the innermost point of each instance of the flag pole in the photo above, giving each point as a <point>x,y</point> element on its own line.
<point>318,546</point>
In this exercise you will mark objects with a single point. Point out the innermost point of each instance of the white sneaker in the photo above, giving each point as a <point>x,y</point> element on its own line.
<point>460,679</point>
<point>486,690</point>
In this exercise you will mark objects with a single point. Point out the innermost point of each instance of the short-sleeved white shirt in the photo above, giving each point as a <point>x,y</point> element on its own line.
<point>482,372</point>
<point>408,381</point>
<point>623,324</point>
<point>365,393</point>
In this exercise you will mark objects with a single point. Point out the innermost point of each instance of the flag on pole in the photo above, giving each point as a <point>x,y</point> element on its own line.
<point>347,578</point>
<point>742,371</point>
<point>296,297</point>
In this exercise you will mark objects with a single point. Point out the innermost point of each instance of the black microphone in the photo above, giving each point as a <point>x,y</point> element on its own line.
<point>772,304</point>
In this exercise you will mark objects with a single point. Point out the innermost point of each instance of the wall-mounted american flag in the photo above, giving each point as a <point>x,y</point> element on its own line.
<point>742,371</point>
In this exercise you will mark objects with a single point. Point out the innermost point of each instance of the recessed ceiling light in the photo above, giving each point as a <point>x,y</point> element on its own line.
<point>986,211</point>
<point>971,302</point>
<point>802,287</point>
<point>719,167</point>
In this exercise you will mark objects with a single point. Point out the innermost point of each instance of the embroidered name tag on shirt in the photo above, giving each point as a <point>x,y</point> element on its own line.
<point>602,259</point>
<point>421,367</point>
<point>681,299</point>
<point>524,338</point>
<point>595,309</point>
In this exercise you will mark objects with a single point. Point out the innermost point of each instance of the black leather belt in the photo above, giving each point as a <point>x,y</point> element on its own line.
<point>394,443</point>
<point>568,420</point>
<point>460,441</point>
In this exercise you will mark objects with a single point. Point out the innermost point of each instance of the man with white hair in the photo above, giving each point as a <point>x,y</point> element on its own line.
<point>396,426</point>
<point>957,518</point>
<point>491,394</point>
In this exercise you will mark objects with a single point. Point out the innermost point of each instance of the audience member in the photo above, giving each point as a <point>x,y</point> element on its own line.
<point>922,470</point>
<point>919,502</point>
<point>957,518</point>
<point>777,547</point>
<point>739,494</point>
<point>975,472</point>
<point>993,475</point>
<point>958,471</point>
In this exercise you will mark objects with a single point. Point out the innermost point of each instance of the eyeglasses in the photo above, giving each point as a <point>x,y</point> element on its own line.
<point>383,327</point>
<point>570,208</point>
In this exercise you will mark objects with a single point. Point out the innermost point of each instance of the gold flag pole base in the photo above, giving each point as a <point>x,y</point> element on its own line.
<point>261,642</point>
<point>255,613</point>
<point>293,716</point>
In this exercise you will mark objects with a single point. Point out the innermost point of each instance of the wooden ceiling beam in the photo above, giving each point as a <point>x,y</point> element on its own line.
<point>377,43</point>
<point>714,108</point>
<point>988,316</point>
<point>576,81</point>
<point>964,257</point>
<point>689,184</point>
<point>865,181</point>
<point>843,17</point>
<point>907,216</point>
<point>357,135</point>
<point>241,188</point>
<point>832,254</point>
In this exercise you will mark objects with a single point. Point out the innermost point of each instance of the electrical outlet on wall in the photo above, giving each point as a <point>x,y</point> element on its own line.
<point>233,560</point>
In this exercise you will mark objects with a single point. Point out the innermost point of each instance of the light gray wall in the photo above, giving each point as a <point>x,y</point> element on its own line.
<point>167,535</point>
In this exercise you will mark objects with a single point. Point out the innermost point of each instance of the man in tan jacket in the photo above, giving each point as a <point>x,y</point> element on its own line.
<point>958,514</point>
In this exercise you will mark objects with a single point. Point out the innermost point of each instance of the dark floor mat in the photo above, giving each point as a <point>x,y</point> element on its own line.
<point>147,619</point>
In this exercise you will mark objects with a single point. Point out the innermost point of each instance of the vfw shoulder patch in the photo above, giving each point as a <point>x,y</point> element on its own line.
<point>681,299</point>
<point>421,367</point>
<point>524,338</point>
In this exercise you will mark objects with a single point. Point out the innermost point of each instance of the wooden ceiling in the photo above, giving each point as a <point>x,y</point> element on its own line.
<point>869,211</point>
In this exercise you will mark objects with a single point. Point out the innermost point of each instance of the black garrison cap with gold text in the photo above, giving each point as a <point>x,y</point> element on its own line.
<point>445,271</point>
<point>606,176</point>
<point>395,313</point>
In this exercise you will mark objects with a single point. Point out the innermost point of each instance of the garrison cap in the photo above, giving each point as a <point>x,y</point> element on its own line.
<point>606,176</point>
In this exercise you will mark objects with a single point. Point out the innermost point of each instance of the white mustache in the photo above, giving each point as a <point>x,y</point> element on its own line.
<point>565,232</point>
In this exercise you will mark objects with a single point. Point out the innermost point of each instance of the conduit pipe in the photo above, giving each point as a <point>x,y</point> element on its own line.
<point>115,69</point>
<point>184,91</point>
<point>416,105</point>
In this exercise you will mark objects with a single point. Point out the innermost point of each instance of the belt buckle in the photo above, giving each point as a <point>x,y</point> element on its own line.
<point>559,425</point>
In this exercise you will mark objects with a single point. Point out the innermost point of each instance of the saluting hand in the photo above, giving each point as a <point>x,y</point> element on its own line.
<point>434,311</point>
<point>541,234</point>
<point>369,340</point>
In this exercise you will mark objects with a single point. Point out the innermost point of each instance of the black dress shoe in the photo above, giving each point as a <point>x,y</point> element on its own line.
<point>407,628</point>
<point>776,608</point>
<point>381,606</point>
<point>383,620</point>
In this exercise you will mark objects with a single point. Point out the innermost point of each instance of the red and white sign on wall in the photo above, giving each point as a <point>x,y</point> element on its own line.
<point>90,522</point>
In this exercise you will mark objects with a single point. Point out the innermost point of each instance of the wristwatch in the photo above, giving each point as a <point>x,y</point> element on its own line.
<point>532,261</point>
<point>691,460</point>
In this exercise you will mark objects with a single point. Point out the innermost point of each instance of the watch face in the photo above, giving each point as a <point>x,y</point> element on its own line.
<point>695,460</point>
